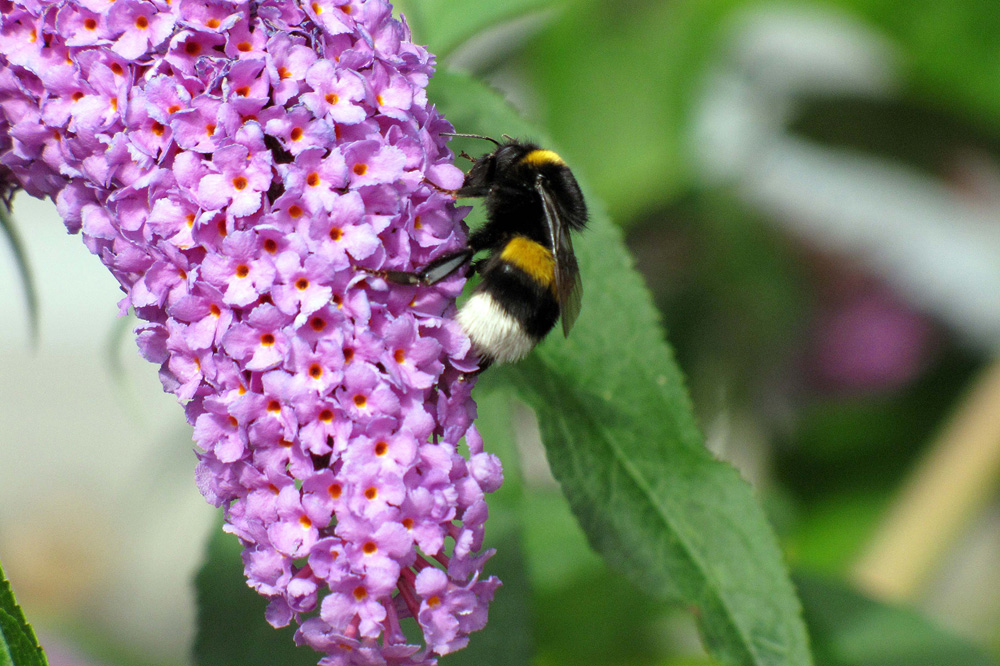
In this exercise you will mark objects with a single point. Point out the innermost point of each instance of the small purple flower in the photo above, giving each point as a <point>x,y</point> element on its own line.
<point>241,180</point>
<point>373,163</point>
<point>194,128</point>
<point>82,27</point>
<point>240,273</point>
<point>317,176</point>
<point>299,288</point>
<point>137,26</point>
<point>260,342</point>
<point>288,66</point>
<point>297,128</point>
<point>235,170</point>
<point>335,94</point>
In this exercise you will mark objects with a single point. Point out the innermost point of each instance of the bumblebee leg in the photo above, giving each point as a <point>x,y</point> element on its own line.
<point>434,272</point>
<point>439,188</point>
<point>464,192</point>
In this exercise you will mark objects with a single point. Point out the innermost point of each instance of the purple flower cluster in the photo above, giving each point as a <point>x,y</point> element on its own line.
<point>234,164</point>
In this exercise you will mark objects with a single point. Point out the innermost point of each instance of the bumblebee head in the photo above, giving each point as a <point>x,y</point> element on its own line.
<point>494,166</point>
<point>514,169</point>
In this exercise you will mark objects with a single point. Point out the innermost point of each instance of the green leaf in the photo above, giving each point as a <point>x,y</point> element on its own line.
<point>445,24</point>
<point>231,625</point>
<point>23,269</point>
<point>622,441</point>
<point>18,644</point>
<point>849,629</point>
<point>17,649</point>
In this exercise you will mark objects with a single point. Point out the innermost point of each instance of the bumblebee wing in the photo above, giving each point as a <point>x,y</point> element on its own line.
<point>569,288</point>
<point>568,284</point>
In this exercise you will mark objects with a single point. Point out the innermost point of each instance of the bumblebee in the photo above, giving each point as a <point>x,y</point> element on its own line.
<point>530,277</point>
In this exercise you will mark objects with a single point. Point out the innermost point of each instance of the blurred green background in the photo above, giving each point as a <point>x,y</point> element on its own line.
<point>812,192</point>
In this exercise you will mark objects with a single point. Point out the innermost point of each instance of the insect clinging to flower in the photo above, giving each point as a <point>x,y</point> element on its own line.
<point>530,278</point>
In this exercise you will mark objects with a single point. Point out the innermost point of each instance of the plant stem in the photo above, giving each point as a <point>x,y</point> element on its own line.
<point>955,479</point>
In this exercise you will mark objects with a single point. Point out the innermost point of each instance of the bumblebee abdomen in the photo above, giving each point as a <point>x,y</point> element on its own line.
<point>496,335</point>
<point>531,258</point>
<point>514,306</point>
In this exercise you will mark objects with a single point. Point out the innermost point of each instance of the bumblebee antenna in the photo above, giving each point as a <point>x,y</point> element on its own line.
<point>471,136</point>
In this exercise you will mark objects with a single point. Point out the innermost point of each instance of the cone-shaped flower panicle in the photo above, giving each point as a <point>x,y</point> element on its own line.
<point>234,165</point>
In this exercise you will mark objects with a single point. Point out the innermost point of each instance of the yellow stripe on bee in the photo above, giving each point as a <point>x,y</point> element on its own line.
<point>541,158</point>
<point>532,258</point>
